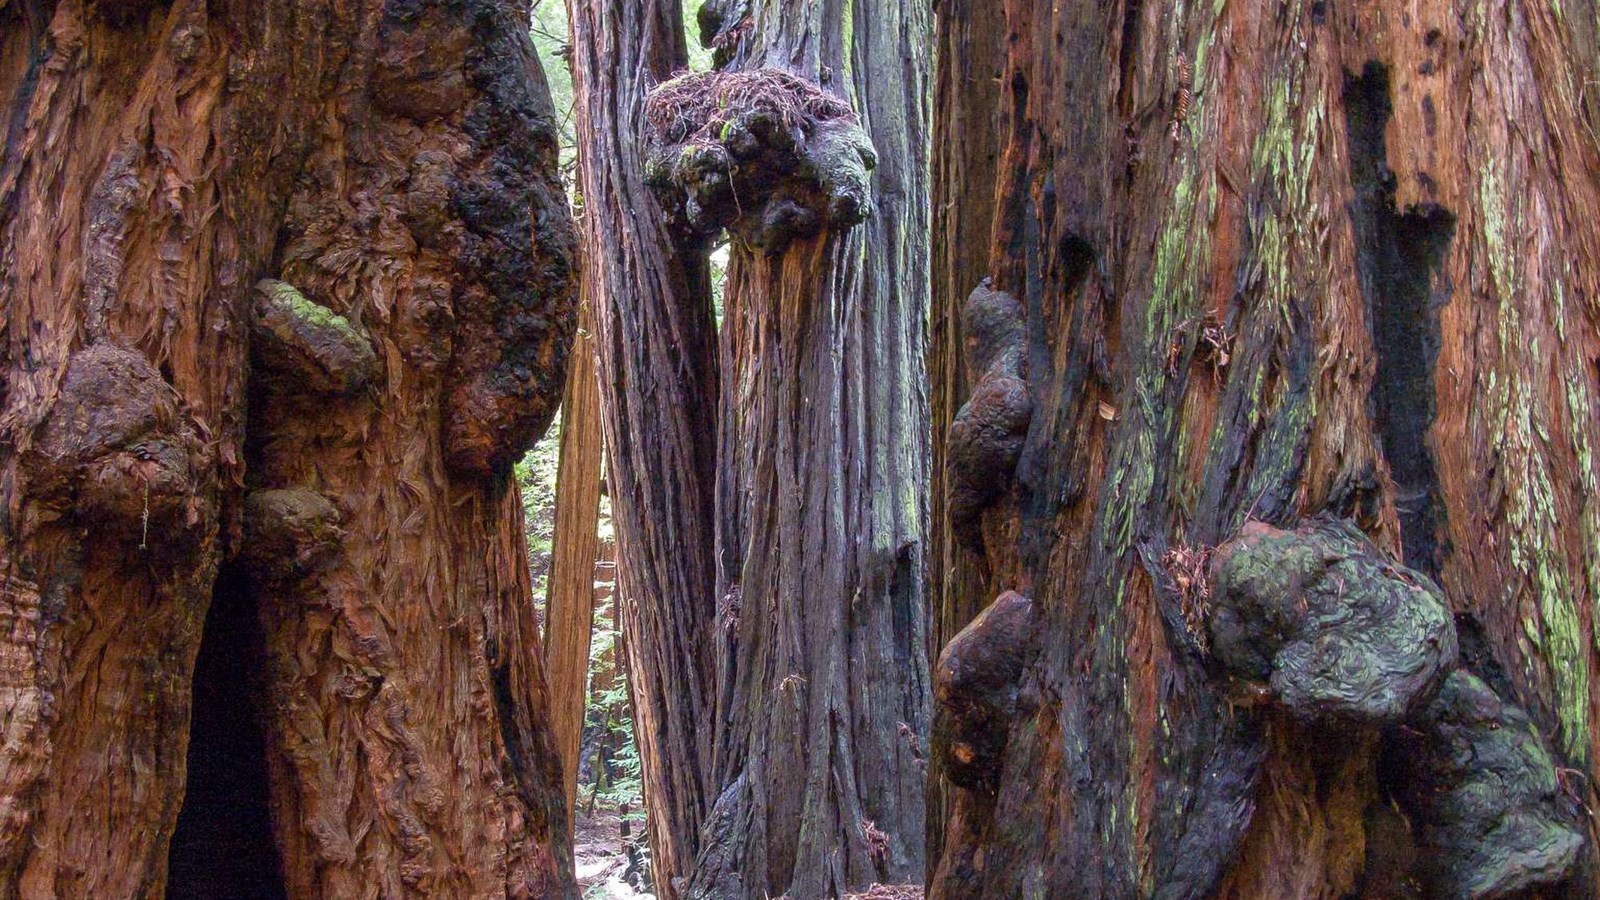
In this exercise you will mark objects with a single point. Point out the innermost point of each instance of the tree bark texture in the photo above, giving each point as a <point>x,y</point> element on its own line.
<point>569,609</point>
<point>821,512</point>
<point>285,287</point>
<point>656,352</point>
<point>1281,264</point>
<point>768,481</point>
<point>966,147</point>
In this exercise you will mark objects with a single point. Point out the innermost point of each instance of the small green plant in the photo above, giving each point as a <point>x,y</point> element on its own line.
<point>536,476</point>
<point>616,777</point>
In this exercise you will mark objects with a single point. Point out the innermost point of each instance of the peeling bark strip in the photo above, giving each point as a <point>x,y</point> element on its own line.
<point>389,167</point>
<point>570,599</point>
<point>1335,258</point>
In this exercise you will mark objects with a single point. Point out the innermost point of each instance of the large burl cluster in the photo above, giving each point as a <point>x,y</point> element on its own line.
<point>988,432</point>
<point>437,224</point>
<point>763,154</point>
<point>1332,631</point>
<point>1329,623</point>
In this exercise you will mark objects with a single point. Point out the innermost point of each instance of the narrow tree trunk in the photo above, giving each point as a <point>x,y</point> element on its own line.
<point>1333,260</point>
<point>391,169</point>
<point>569,610</point>
<point>657,366</point>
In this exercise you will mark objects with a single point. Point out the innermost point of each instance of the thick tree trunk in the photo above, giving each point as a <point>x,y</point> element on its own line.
<point>799,635</point>
<point>821,510</point>
<point>336,438</point>
<point>1265,265</point>
<point>569,609</point>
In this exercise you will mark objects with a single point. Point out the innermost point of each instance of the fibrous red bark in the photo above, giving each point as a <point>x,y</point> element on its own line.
<point>335,443</point>
<point>778,669</point>
<point>655,341</point>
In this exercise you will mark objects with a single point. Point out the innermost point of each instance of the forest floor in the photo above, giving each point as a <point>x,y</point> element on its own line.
<point>601,858</point>
<point>602,864</point>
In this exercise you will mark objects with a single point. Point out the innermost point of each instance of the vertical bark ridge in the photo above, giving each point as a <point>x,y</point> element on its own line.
<point>821,522</point>
<point>966,98</point>
<point>458,270</point>
<point>154,152</point>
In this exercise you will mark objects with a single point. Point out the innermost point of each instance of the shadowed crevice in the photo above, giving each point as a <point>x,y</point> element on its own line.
<point>223,846</point>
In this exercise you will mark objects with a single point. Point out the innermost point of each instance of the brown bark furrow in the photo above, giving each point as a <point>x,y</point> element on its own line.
<point>966,97</point>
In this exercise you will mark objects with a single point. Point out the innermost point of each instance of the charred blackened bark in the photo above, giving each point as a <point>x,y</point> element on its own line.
<point>387,168</point>
<point>1330,260</point>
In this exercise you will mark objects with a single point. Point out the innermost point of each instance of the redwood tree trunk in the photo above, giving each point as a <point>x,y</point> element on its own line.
<point>768,480</point>
<point>821,504</point>
<point>1266,263</point>
<point>656,350</point>
<point>336,438</point>
<point>966,146</point>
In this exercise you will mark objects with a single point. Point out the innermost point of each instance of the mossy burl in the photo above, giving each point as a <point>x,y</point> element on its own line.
<point>1342,634</point>
<point>762,153</point>
<point>1329,623</point>
<point>1484,792</point>
<point>316,348</point>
